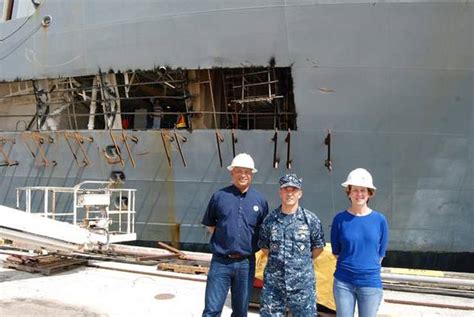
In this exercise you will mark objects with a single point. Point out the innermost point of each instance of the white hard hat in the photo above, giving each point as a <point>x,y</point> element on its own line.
<point>359,177</point>
<point>242,160</point>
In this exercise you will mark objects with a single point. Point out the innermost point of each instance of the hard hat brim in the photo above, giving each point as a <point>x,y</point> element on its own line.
<point>231,167</point>
<point>345,184</point>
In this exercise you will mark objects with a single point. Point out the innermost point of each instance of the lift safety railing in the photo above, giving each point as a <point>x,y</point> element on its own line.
<point>111,210</point>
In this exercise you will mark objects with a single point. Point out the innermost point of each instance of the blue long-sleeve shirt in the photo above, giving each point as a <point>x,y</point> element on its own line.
<point>360,243</point>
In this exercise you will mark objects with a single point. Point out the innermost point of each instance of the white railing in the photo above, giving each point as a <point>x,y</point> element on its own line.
<point>95,205</point>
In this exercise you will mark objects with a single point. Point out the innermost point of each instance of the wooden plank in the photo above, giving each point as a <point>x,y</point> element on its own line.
<point>185,266</point>
<point>45,265</point>
<point>171,249</point>
<point>157,257</point>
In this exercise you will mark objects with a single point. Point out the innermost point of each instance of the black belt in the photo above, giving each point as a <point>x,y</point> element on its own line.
<point>235,256</point>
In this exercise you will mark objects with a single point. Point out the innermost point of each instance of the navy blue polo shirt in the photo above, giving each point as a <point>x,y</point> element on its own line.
<point>237,217</point>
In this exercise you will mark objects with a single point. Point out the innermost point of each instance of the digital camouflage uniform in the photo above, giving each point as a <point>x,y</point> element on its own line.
<point>289,279</point>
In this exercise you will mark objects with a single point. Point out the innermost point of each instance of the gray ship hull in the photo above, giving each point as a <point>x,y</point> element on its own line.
<point>392,81</point>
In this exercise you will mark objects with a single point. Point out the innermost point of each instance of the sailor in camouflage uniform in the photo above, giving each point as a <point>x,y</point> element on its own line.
<point>292,237</point>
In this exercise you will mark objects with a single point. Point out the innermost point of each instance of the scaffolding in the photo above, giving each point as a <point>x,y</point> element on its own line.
<point>250,93</point>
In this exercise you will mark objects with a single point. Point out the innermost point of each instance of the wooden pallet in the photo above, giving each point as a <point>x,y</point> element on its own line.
<point>45,265</point>
<point>185,266</point>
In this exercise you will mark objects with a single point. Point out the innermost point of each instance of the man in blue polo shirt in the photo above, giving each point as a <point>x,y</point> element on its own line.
<point>233,216</point>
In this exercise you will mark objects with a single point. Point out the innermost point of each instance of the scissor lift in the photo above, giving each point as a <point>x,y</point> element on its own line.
<point>92,205</point>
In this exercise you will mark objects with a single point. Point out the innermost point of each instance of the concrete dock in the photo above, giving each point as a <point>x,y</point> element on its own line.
<point>120,289</point>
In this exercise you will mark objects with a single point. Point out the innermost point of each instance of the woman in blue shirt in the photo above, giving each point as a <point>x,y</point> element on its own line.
<point>359,237</point>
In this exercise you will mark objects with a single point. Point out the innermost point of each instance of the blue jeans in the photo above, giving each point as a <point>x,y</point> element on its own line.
<point>346,295</point>
<point>224,273</point>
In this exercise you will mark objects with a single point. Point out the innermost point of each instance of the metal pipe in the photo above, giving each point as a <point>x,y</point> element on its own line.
<point>428,304</point>
<point>427,279</point>
<point>178,144</point>
<point>73,104</point>
<point>80,140</point>
<point>258,84</point>
<point>93,105</point>
<point>66,137</point>
<point>119,154</point>
<point>289,161</point>
<point>428,289</point>
<point>219,139</point>
<point>38,140</point>
<point>276,161</point>
<point>130,155</point>
<point>164,134</point>
<point>247,74</point>
<point>327,141</point>
<point>132,113</point>
<point>234,141</point>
